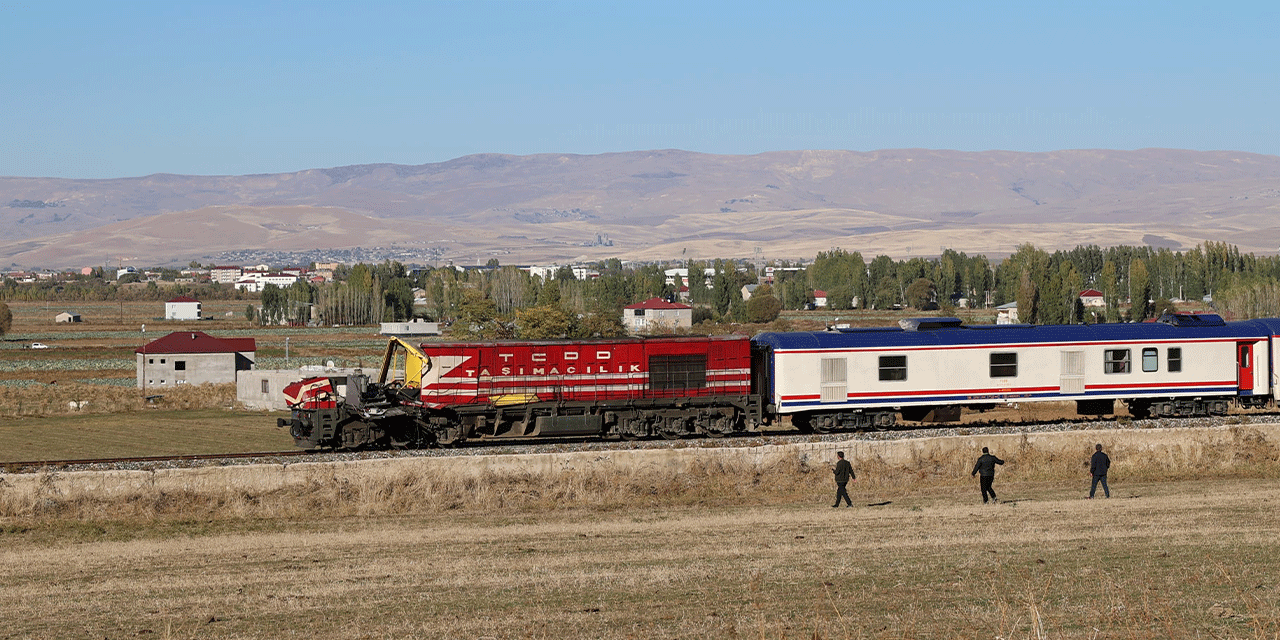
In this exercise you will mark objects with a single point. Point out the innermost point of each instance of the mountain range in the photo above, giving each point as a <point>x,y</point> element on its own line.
<point>653,205</point>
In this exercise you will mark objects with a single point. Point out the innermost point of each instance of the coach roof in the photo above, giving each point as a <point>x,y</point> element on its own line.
<point>950,334</point>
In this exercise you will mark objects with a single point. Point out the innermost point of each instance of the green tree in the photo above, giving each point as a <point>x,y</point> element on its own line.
<point>1139,291</point>
<point>549,294</point>
<point>543,323</point>
<point>763,307</point>
<point>398,299</point>
<point>250,313</point>
<point>1161,306</point>
<point>478,318</point>
<point>840,297</point>
<point>1028,298</point>
<point>273,304</point>
<point>601,324</point>
<point>1109,283</point>
<point>920,293</point>
<point>6,318</point>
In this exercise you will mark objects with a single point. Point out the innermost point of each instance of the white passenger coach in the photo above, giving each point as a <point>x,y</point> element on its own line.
<point>930,368</point>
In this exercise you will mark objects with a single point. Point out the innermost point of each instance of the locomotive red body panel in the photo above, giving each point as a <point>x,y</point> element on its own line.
<point>506,373</point>
<point>312,393</point>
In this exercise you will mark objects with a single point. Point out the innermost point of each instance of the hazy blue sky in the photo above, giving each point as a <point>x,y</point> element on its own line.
<point>114,89</point>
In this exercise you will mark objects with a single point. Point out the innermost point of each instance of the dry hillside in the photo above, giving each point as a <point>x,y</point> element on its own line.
<point>658,205</point>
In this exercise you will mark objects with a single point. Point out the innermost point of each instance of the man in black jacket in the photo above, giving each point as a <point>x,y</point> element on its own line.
<point>844,473</point>
<point>986,466</point>
<point>1098,466</point>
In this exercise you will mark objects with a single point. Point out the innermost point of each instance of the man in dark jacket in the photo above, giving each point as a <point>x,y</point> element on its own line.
<point>986,466</point>
<point>1098,466</point>
<point>844,473</point>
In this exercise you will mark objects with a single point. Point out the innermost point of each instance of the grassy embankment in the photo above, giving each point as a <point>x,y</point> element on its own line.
<point>714,552</point>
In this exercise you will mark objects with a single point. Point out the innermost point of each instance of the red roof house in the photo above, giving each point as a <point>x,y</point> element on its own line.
<point>656,314</point>
<point>193,357</point>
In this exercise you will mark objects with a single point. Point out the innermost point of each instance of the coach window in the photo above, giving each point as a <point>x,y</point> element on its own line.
<point>1150,359</point>
<point>1116,361</point>
<point>893,367</point>
<point>1004,365</point>
<point>1175,359</point>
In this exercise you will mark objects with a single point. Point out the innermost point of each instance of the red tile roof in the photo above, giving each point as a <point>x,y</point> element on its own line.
<point>197,342</point>
<point>657,303</point>
<point>1090,293</point>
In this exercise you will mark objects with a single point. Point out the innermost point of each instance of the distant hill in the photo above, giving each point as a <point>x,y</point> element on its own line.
<point>656,205</point>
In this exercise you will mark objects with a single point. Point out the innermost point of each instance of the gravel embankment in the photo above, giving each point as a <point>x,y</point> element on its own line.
<point>755,440</point>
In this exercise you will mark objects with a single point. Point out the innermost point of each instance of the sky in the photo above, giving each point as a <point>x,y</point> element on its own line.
<point>122,89</point>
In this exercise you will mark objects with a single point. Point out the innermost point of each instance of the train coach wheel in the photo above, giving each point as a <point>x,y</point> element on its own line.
<point>1140,410</point>
<point>824,424</point>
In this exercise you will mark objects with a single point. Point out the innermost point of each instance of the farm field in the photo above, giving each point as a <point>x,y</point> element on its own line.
<point>1178,559</point>
<point>100,350</point>
<point>141,433</point>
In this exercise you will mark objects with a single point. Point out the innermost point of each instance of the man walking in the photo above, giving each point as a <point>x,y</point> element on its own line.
<point>844,473</point>
<point>986,466</point>
<point>1098,466</point>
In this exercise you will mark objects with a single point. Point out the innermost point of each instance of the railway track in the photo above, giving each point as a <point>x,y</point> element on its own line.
<point>35,465</point>
<point>560,445</point>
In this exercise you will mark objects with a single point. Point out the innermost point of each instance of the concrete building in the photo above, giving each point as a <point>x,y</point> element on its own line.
<point>254,281</point>
<point>1092,298</point>
<point>263,389</point>
<point>656,314</point>
<point>226,274</point>
<point>182,308</point>
<point>67,316</point>
<point>193,357</point>
<point>418,327</point>
<point>680,276</point>
<point>1007,313</point>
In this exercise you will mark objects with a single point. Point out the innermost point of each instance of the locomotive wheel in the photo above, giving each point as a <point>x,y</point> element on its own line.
<point>632,429</point>
<point>449,436</point>
<point>719,426</point>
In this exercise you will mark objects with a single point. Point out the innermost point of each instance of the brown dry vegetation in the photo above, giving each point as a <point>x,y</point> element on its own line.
<point>1174,560</point>
<point>718,549</point>
<point>85,399</point>
<point>428,489</point>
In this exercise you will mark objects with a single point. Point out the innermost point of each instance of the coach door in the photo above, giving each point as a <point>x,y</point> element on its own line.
<point>1244,359</point>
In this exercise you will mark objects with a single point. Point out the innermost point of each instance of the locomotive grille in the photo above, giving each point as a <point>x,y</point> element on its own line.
<point>677,372</point>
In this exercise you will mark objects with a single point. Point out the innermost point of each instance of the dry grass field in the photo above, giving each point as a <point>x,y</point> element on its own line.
<point>724,549</point>
<point>1189,559</point>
